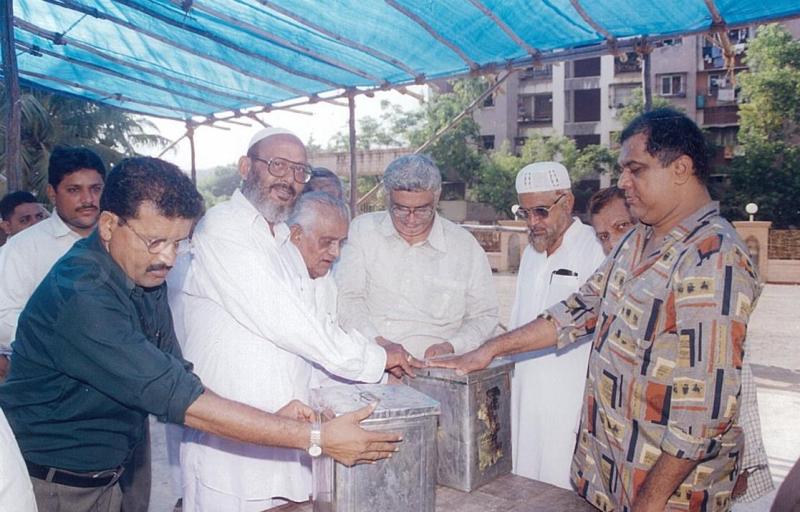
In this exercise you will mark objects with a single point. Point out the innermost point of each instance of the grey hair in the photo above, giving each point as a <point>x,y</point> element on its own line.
<point>413,173</point>
<point>309,207</point>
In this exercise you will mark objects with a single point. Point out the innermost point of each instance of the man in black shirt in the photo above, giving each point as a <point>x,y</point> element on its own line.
<point>95,354</point>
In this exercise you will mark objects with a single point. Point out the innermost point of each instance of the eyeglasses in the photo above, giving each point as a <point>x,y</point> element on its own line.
<point>280,167</point>
<point>538,212</point>
<point>420,213</point>
<point>158,245</point>
<point>619,227</point>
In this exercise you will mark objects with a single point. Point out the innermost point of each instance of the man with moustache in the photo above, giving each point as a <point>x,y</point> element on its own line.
<point>668,318</point>
<point>252,336</point>
<point>561,254</point>
<point>75,181</point>
<point>20,210</point>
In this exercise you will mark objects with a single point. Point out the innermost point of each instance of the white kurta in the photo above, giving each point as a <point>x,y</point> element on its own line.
<point>252,337</point>
<point>16,490</point>
<point>25,260</point>
<point>547,386</point>
<point>417,295</point>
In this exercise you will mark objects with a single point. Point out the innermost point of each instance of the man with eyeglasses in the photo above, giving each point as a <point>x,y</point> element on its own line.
<point>251,334</point>
<point>413,277</point>
<point>562,253</point>
<point>96,353</point>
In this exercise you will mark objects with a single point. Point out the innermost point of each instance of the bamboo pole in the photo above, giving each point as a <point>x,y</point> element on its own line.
<point>190,136</point>
<point>14,115</point>
<point>351,104</point>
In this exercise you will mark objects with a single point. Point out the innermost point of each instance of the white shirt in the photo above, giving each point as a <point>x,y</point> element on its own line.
<point>24,261</point>
<point>418,295</point>
<point>547,385</point>
<point>252,338</point>
<point>16,489</point>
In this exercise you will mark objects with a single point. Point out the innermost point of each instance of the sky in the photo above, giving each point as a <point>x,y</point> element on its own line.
<point>221,147</point>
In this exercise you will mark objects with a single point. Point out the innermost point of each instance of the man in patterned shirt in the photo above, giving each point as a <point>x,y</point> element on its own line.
<point>669,311</point>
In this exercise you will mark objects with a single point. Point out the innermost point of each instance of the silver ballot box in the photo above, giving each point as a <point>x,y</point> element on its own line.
<point>474,438</point>
<point>406,481</point>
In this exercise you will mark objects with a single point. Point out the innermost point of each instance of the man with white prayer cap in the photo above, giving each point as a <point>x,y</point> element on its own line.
<point>249,331</point>
<point>547,386</point>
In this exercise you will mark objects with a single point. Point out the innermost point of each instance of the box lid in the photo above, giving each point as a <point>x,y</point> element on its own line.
<point>499,365</point>
<point>394,401</point>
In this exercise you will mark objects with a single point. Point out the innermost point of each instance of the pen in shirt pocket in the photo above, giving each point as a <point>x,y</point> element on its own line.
<point>562,272</point>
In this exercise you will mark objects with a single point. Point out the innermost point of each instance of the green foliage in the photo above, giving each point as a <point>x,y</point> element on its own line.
<point>220,185</point>
<point>389,130</point>
<point>635,106</point>
<point>771,88</point>
<point>49,120</point>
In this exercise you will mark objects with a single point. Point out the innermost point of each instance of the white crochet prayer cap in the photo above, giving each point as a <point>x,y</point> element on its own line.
<point>543,177</point>
<point>268,132</point>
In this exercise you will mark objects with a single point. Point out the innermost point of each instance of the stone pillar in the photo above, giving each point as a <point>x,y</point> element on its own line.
<point>756,235</point>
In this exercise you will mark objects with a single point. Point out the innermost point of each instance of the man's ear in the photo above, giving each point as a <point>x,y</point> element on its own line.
<point>245,165</point>
<point>569,201</point>
<point>51,194</point>
<point>6,227</point>
<point>296,231</point>
<point>682,169</point>
<point>106,225</point>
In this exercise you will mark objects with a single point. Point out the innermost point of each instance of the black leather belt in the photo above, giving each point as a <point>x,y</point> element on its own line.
<point>71,478</point>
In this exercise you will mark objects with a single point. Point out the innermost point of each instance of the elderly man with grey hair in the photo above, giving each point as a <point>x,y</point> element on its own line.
<point>413,277</point>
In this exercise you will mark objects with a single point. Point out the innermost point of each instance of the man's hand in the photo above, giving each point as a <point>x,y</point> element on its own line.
<point>439,349</point>
<point>344,440</point>
<point>296,410</point>
<point>5,365</point>
<point>398,360</point>
<point>477,359</point>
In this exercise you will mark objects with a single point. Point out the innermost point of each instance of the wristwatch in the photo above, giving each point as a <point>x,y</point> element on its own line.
<point>315,444</point>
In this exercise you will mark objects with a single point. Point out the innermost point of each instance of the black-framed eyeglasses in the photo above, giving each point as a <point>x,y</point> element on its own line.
<point>158,245</point>
<point>420,212</point>
<point>280,167</point>
<point>538,212</point>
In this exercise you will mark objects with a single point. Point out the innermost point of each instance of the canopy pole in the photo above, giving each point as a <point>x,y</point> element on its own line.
<point>190,136</point>
<point>643,50</point>
<point>14,114</point>
<point>351,104</point>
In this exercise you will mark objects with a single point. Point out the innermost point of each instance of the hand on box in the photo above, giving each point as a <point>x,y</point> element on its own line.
<point>398,361</point>
<point>477,359</point>
<point>344,440</point>
<point>439,349</point>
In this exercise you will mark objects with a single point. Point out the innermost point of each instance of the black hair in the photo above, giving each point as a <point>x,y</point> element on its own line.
<point>319,174</point>
<point>66,160</point>
<point>134,181</point>
<point>602,197</point>
<point>671,134</point>
<point>11,200</point>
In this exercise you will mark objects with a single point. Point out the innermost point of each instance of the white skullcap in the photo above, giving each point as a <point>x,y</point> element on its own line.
<point>543,177</point>
<point>268,132</point>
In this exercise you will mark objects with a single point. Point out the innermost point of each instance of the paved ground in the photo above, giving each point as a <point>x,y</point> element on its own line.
<point>774,341</point>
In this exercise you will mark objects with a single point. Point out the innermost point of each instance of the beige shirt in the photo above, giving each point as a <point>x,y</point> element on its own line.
<point>418,295</point>
<point>24,261</point>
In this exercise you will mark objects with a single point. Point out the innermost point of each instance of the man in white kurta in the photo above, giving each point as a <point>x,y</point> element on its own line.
<point>413,277</point>
<point>16,489</point>
<point>251,336</point>
<point>547,386</point>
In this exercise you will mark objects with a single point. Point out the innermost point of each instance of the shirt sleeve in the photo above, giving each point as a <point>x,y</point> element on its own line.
<point>576,316</point>
<point>108,352</point>
<point>16,287</point>
<point>351,279</point>
<point>254,294</point>
<point>481,312</point>
<point>714,290</point>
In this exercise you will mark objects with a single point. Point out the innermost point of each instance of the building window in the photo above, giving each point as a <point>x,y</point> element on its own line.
<point>535,108</point>
<point>489,101</point>
<point>581,141</point>
<point>627,63</point>
<point>739,35</point>
<point>586,67</point>
<point>674,41</point>
<point>537,72</point>
<point>587,105</point>
<point>621,94</point>
<point>672,85</point>
<point>487,141</point>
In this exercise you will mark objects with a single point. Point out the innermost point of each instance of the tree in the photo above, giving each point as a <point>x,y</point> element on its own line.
<point>49,120</point>
<point>220,185</point>
<point>768,172</point>
<point>635,106</point>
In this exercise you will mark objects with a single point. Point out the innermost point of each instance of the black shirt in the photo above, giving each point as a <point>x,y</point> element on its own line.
<point>94,355</point>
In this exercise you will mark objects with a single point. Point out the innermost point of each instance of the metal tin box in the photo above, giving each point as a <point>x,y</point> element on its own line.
<point>474,438</point>
<point>406,481</point>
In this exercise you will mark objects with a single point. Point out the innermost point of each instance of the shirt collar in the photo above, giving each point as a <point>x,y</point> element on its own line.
<point>690,223</point>
<point>436,238</point>
<point>281,230</point>
<point>59,228</point>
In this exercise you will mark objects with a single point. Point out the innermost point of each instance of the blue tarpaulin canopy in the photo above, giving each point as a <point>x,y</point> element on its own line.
<point>189,58</point>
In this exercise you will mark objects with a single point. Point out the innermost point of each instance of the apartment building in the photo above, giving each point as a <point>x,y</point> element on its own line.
<point>581,98</point>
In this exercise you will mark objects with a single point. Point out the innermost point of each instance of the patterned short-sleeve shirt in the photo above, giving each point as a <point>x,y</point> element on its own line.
<point>664,373</point>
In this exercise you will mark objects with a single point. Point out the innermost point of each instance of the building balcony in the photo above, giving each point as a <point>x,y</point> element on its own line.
<point>537,73</point>
<point>727,115</point>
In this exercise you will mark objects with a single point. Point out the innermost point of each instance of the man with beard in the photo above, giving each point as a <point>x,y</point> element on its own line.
<point>562,253</point>
<point>252,336</point>
<point>75,181</point>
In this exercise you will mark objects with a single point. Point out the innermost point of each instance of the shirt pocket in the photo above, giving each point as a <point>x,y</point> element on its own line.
<point>561,287</point>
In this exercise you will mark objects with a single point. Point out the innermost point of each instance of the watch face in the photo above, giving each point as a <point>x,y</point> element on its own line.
<point>314,450</point>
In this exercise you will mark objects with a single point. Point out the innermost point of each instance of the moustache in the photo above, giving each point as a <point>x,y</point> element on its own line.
<point>86,208</point>
<point>285,187</point>
<point>159,267</point>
